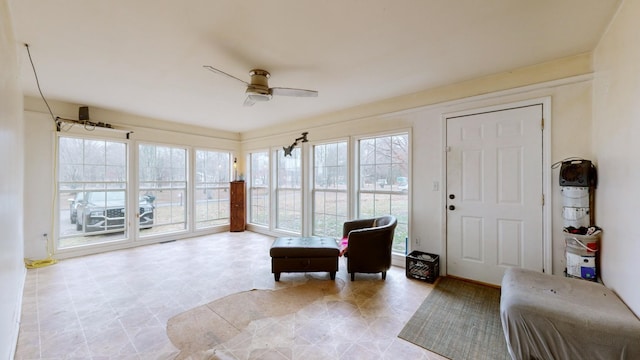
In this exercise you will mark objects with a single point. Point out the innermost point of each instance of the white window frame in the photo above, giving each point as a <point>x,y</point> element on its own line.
<point>356,199</point>
<point>252,186</point>
<point>314,191</point>
<point>209,186</point>
<point>278,190</point>
<point>108,186</point>
<point>187,198</point>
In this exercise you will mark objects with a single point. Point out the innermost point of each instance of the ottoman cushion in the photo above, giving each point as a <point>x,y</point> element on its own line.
<point>304,247</point>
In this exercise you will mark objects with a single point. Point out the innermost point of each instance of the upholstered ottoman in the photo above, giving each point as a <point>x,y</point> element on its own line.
<point>304,254</point>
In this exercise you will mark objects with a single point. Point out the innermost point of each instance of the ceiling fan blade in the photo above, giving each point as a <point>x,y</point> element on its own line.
<point>212,69</point>
<point>293,92</point>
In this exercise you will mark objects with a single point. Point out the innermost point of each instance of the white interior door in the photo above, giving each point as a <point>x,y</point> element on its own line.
<point>494,193</point>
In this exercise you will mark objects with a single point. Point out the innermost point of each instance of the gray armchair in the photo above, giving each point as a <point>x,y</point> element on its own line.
<point>369,244</point>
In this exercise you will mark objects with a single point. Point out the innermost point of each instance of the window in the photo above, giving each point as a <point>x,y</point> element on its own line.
<point>259,188</point>
<point>211,188</point>
<point>163,182</point>
<point>289,191</point>
<point>383,182</point>
<point>92,191</point>
<point>330,206</point>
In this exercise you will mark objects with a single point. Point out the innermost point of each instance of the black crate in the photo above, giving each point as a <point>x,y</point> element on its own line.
<point>423,266</point>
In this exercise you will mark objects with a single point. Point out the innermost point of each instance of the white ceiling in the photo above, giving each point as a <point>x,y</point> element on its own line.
<point>145,57</point>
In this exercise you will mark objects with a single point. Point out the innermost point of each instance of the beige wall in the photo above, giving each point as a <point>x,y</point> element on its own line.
<point>616,145</point>
<point>12,271</point>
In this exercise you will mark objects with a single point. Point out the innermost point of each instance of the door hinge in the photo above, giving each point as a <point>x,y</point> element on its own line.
<point>542,123</point>
<point>542,199</point>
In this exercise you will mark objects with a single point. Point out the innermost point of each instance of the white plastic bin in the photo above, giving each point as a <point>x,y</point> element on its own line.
<point>583,267</point>
<point>576,216</point>
<point>577,197</point>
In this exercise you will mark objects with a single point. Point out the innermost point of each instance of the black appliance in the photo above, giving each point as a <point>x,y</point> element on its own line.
<point>578,173</point>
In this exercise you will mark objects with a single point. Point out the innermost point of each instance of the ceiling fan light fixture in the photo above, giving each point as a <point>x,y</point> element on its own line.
<point>259,97</point>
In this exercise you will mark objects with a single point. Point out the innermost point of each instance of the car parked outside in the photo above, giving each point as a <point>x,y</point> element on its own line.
<point>105,210</point>
<point>73,207</point>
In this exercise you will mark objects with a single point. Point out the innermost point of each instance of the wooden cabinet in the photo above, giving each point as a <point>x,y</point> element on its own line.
<point>237,206</point>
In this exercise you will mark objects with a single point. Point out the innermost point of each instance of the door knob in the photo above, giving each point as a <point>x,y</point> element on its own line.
<point>451,207</point>
<point>451,196</point>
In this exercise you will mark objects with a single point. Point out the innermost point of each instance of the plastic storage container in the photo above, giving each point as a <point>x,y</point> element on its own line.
<point>584,245</point>
<point>576,216</point>
<point>577,197</point>
<point>583,267</point>
<point>582,255</point>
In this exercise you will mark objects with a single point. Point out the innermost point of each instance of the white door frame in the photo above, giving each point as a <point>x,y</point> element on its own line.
<point>547,245</point>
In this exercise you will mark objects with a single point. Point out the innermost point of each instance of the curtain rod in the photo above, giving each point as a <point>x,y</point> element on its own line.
<point>89,125</point>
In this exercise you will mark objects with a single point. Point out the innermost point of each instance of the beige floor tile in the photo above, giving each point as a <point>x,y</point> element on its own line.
<point>117,305</point>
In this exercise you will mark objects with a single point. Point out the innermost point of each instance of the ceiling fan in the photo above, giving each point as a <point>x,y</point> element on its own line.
<point>258,89</point>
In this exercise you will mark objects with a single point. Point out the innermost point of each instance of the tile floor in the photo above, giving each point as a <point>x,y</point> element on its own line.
<point>116,305</point>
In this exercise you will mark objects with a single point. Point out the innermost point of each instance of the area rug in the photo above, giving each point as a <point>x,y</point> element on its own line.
<point>198,330</point>
<point>459,320</point>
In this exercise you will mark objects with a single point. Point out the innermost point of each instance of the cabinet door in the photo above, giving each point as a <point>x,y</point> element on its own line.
<point>237,198</point>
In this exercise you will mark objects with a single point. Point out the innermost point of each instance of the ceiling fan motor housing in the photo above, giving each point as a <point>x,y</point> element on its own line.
<point>259,87</point>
